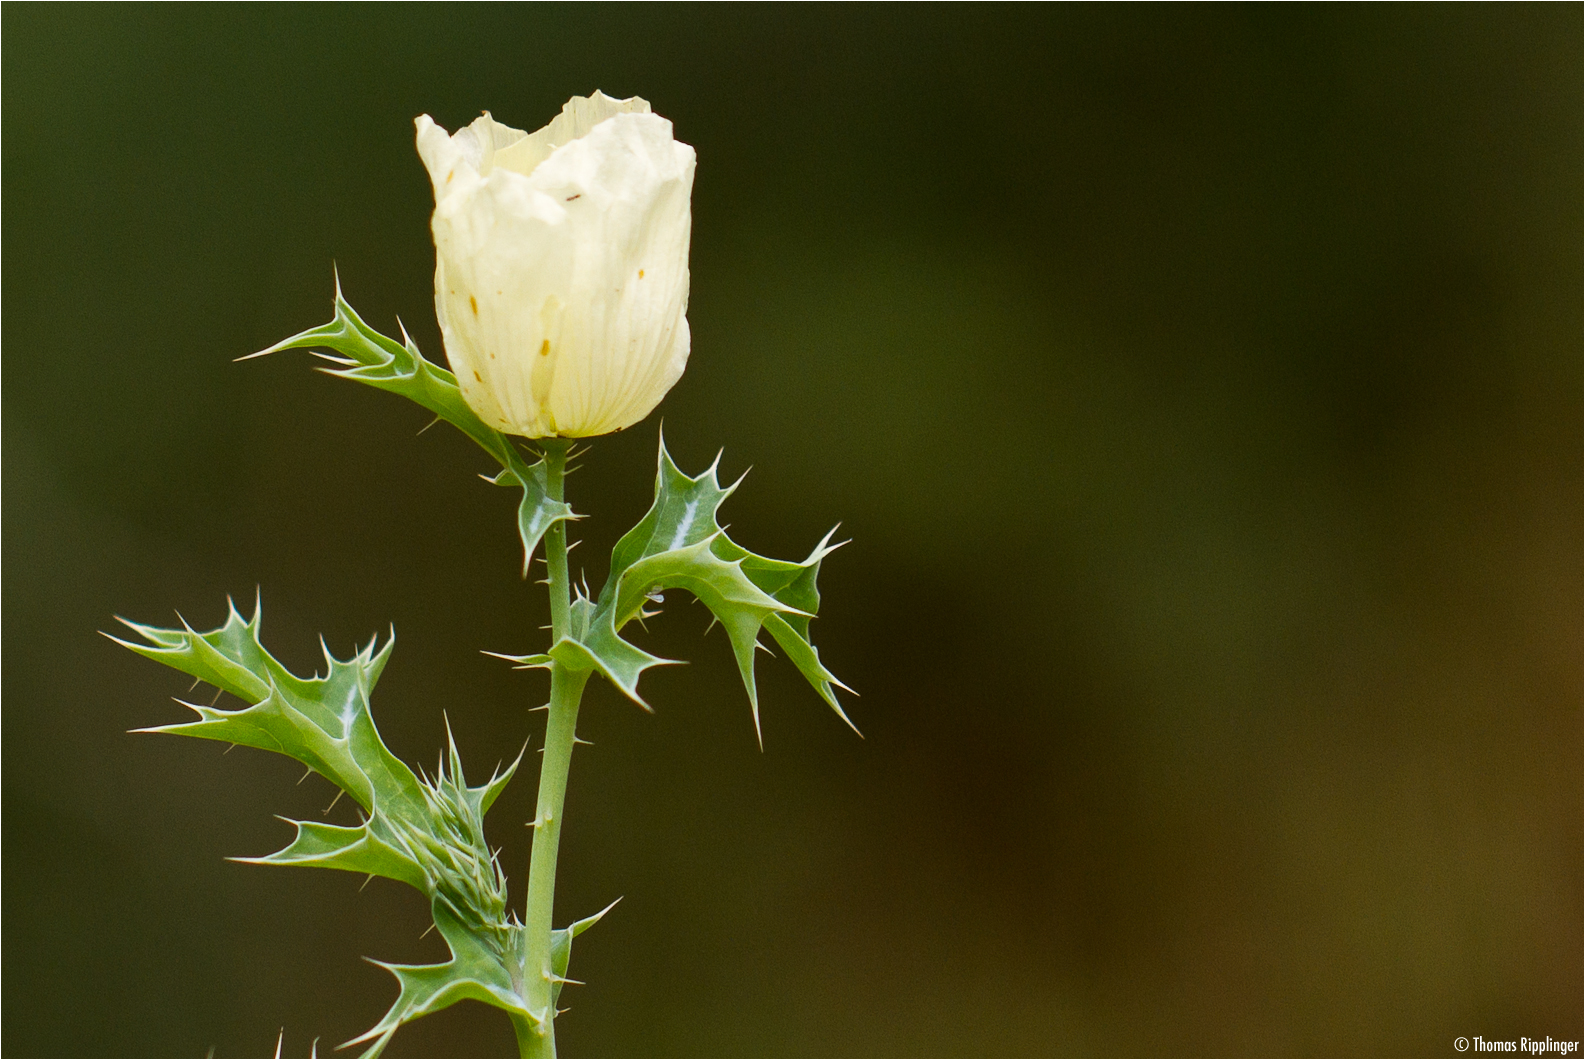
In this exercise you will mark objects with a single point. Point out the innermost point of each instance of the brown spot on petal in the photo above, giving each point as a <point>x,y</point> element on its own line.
<point>473,303</point>
<point>477,376</point>
<point>641,274</point>
<point>544,348</point>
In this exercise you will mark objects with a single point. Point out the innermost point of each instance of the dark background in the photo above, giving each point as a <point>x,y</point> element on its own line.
<point>1201,388</point>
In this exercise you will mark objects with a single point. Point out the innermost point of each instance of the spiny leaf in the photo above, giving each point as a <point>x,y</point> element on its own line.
<point>536,512</point>
<point>599,647</point>
<point>358,849</point>
<point>473,972</point>
<point>366,356</point>
<point>425,832</point>
<point>323,722</point>
<point>561,947</point>
<point>680,544</point>
<point>477,971</point>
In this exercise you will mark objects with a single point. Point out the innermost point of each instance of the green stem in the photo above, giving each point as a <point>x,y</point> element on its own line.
<point>566,689</point>
<point>556,537</point>
<point>527,1037</point>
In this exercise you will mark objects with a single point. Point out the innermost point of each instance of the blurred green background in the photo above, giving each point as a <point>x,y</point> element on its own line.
<point>1201,388</point>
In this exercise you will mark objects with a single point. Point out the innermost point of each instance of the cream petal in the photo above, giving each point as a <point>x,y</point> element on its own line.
<point>483,140</point>
<point>577,119</point>
<point>440,154</point>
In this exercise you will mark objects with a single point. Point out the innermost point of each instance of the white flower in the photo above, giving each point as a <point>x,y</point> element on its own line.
<point>561,265</point>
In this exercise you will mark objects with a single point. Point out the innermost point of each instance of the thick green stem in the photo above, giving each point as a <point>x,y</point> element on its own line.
<point>566,689</point>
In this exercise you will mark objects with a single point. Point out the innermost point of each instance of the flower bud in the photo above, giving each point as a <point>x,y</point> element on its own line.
<point>561,265</point>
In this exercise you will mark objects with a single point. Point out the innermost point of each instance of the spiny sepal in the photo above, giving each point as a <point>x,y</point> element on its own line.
<point>427,832</point>
<point>364,355</point>
<point>680,544</point>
